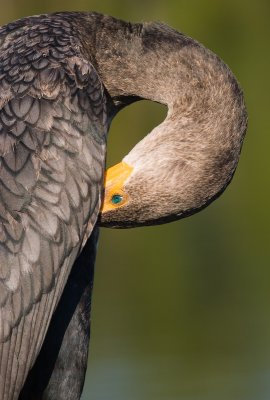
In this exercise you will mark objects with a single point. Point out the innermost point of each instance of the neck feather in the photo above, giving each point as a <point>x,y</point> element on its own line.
<point>201,137</point>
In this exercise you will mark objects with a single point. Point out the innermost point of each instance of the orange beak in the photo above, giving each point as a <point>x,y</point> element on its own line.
<point>115,178</point>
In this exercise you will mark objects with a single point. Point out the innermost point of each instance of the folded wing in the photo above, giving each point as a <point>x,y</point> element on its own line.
<point>52,149</point>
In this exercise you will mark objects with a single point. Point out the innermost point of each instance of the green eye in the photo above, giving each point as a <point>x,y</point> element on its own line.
<point>116,199</point>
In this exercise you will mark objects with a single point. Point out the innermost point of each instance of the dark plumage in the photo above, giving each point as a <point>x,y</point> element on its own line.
<point>53,124</point>
<point>63,77</point>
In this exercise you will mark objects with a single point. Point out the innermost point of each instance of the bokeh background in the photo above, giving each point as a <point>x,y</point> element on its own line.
<point>181,311</point>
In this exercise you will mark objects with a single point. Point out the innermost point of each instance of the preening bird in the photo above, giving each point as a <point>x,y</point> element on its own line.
<point>63,77</point>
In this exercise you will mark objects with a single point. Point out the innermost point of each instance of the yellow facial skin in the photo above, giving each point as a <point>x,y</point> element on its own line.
<point>115,177</point>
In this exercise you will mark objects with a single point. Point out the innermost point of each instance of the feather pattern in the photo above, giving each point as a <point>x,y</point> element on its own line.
<point>52,149</point>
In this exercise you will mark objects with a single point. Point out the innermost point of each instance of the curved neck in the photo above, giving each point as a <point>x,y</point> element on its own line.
<point>155,62</point>
<point>206,121</point>
<point>152,61</point>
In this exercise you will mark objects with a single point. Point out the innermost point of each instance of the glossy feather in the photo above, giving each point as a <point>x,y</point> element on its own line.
<point>52,127</point>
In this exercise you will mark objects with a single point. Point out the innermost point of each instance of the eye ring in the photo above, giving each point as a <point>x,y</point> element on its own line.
<point>116,198</point>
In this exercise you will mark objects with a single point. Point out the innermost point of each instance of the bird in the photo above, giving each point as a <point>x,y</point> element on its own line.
<point>63,78</point>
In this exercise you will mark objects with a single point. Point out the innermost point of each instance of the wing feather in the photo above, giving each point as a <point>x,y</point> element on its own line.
<point>52,150</point>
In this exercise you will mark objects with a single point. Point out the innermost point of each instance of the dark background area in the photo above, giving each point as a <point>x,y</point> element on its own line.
<point>181,311</point>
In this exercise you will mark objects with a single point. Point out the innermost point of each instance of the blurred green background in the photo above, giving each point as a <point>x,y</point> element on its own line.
<point>181,311</point>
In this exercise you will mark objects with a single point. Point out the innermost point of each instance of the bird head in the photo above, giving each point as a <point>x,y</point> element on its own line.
<point>188,160</point>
